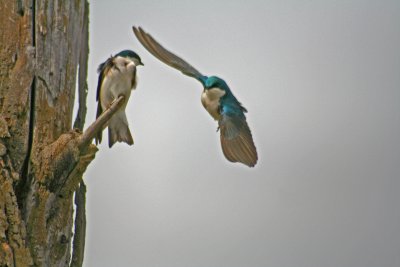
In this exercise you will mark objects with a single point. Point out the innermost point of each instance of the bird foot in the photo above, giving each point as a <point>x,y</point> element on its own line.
<point>115,99</point>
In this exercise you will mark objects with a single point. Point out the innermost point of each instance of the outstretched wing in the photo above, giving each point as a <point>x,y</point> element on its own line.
<point>166,56</point>
<point>236,139</point>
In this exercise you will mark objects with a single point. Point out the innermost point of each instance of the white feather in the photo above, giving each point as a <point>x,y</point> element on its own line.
<point>118,81</point>
<point>210,100</point>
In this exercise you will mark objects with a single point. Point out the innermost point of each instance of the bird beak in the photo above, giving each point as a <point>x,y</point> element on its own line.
<point>141,64</point>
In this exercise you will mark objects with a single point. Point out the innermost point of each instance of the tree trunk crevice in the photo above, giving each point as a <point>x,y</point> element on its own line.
<point>44,54</point>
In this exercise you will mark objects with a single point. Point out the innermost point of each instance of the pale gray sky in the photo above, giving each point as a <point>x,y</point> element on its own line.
<point>321,81</point>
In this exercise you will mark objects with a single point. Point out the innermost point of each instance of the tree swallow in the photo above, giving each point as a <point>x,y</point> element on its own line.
<point>117,76</point>
<point>217,98</point>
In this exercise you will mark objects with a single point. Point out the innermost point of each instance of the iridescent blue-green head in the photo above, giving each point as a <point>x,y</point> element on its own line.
<point>131,55</point>
<point>215,82</point>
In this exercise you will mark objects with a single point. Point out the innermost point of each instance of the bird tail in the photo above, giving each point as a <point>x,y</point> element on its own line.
<point>118,131</point>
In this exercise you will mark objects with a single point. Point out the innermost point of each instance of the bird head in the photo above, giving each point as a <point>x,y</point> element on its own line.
<point>132,56</point>
<point>214,81</point>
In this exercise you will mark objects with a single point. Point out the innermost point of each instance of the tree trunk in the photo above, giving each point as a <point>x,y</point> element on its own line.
<point>44,52</point>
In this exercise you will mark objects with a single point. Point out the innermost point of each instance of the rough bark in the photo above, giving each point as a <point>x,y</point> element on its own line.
<point>44,44</point>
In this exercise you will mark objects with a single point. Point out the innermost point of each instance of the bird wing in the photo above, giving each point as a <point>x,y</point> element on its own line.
<point>236,139</point>
<point>103,69</point>
<point>166,56</point>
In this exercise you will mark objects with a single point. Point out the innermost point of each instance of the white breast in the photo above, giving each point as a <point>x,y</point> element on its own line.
<point>210,100</point>
<point>118,81</point>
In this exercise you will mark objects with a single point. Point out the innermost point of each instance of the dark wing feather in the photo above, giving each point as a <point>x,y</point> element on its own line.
<point>133,81</point>
<point>103,69</point>
<point>236,139</point>
<point>166,56</point>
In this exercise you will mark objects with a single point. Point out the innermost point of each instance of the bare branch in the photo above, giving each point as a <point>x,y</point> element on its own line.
<point>100,123</point>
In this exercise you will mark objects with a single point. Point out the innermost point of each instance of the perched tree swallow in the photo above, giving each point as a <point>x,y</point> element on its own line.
<point>117,76</point>
<point>236,139</point>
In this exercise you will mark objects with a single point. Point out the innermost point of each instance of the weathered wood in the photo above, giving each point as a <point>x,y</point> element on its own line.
<point>82,74</point>
<point>79,242</point>
<point>44,44</point>
<point>80,227</point>
<point>17,66</point>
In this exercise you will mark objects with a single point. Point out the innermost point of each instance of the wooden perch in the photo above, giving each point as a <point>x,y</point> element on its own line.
<point>100,123</point>
<point>63,160</point>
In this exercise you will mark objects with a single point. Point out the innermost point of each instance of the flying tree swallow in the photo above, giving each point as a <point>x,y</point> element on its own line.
<point>217,98</point>
<point>117,76</point>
